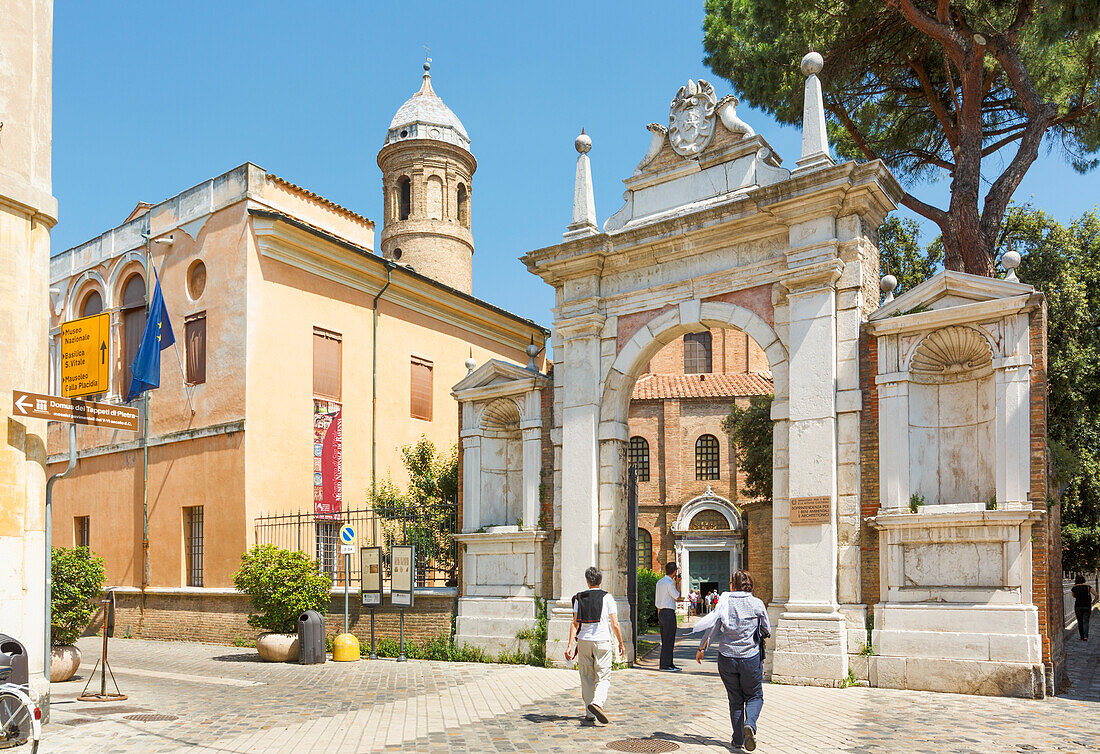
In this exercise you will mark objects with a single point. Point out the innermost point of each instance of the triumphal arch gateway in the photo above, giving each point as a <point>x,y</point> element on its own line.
<point>911,539</point>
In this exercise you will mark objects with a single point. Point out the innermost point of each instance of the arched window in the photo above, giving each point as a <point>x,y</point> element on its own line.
<point>92,304</point>
<point>133,324</point>
<point>463,205</point>
<point>645,548</point>
<point>434,204</point>
<point>697,353</point>
<point>404,198</point>
<point>638,457</point>
<point>706,458</point>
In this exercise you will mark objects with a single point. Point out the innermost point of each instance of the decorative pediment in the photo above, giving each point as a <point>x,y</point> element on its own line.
<point>949,288</point>
<point>497,378</point>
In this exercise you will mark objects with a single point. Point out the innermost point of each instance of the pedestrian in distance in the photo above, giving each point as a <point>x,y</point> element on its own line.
<point>594,620</point>
<point>693,597</point>
<point>1084,597</point>
<point>667,592</point>
<point>739,625</point>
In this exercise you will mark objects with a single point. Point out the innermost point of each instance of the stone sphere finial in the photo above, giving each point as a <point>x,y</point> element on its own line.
<point>887,286</point>
<point>471,364</point>
<point>428,64</point>
<point>583,143</point>
<point>1010,260</point>
<point>812,63</point>
<point>533,350</point>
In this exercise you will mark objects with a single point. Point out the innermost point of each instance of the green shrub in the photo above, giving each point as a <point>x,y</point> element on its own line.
<point>647,596</point>
<point>78,578</point>
<point>281,585</point>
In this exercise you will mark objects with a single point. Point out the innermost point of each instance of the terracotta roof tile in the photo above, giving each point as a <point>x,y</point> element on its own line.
<point>657,386</point>
<point>320,199</point>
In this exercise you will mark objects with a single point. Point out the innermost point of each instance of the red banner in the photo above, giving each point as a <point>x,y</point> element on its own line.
<point>327,465</point>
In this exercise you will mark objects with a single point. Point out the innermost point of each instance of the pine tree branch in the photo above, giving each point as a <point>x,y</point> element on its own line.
<point>949,128</point>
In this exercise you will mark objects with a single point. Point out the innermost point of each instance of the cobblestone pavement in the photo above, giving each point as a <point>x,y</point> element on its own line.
<point>225,700</point>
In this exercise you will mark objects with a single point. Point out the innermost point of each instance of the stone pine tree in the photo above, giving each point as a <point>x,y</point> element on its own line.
<point>969,91</point>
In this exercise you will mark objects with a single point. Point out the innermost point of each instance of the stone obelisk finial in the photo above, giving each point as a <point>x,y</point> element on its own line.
<point>584,205</point>
<point>815,139</point>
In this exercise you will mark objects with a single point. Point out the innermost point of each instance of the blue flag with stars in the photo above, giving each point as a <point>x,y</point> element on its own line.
<point>157,336</point>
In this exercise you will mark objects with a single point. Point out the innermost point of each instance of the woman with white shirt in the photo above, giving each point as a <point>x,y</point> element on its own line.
<point>739,623</point>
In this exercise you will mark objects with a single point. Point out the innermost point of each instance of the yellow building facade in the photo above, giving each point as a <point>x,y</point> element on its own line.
<point>28,211</point>
<point>281,309</point>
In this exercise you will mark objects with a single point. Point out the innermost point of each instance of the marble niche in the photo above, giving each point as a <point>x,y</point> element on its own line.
<point>501,436</point>
<point>955,610</point>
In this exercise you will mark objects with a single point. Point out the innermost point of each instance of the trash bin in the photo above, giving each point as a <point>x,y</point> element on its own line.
<point>311,638</point>
<point>14,655</point>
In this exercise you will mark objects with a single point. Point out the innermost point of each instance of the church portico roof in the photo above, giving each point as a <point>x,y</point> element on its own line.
<point>425,116</point>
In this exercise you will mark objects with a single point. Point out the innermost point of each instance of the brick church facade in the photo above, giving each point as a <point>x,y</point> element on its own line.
<point>691,503</point>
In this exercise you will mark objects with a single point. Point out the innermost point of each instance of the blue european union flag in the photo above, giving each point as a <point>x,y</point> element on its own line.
<point>157,336</point>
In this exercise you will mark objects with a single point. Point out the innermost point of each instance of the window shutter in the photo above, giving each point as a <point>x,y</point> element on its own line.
<point>195,336</point>
<point>326,364</point>
<point>420,389</point>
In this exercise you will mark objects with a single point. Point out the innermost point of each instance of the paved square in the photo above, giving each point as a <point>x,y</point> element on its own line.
<point>225,700</point>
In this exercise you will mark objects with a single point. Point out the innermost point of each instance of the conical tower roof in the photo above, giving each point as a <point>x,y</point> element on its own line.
<point>425,116</point>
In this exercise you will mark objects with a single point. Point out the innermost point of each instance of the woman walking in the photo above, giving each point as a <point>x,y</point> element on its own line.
<point>739,623</point>
<point>1084,597</point>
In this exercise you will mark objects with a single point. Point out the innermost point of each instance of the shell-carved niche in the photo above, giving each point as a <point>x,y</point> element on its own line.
<point>952,351</point>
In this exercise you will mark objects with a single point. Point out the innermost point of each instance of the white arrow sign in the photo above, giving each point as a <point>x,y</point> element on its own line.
<point>22,407</point>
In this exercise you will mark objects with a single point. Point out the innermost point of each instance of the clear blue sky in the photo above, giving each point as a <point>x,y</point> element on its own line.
<point>151,98</point>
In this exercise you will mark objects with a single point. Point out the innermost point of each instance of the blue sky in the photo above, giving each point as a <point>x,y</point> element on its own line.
<point>151,98</point>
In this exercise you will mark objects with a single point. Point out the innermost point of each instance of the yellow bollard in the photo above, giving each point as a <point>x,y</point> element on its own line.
<point>345,648</point>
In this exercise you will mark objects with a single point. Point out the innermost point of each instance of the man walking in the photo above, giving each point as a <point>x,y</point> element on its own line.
<point>665,598</point>
<point>594,620</point>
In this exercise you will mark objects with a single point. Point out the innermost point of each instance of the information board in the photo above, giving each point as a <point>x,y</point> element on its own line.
<point>402,575</point>
<point>85,356</point>
<point>811,510</point>
<point>370,561</point>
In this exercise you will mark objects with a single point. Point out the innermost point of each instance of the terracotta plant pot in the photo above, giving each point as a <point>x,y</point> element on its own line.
<point>277,647</point>
<point>64,661</point>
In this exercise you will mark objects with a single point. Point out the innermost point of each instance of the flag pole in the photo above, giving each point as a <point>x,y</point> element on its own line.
<point>186,392</point>
<point>145,423</point>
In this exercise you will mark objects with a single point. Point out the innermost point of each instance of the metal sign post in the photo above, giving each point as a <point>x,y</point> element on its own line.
<point>402,579</point>
<point>104,668</point>
<point>347,547</point>
<point>370,572</point>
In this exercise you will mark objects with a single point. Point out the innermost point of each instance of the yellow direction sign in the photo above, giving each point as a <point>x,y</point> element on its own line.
<point>85,355</point>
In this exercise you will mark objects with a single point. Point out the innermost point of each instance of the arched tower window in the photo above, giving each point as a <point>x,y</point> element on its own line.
<point>133,324</point>
<point>404,198</point>
<point>706,458</point>
<point>435,198</point>
<point>463,205</point>
<point>638,457</point>
<point>645,548</point>
<point>92,304</point>
<point>697,353</point>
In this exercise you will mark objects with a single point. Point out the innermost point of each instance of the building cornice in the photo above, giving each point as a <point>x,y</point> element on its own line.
<point>290,241</point>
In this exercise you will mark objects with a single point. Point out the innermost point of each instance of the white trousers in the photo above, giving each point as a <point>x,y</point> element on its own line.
<point>594,663</point>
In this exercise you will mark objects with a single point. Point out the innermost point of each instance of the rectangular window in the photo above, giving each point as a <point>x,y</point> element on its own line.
<point>697,353</point>
<point>82,531</point>
<point>420,389</point>
<point>326,548</point>
<point>326,364</point>
<point>193,544</point>
<point>194,335</point>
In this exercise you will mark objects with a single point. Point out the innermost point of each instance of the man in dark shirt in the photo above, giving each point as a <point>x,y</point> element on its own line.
<point>1084,597</point>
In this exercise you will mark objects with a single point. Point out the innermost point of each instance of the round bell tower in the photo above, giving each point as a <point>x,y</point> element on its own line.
<point>427,172</point>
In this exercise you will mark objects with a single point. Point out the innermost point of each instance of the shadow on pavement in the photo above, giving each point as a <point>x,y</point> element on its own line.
<point>538,717</point>
<point>690,739</point>
<point>241,657</point>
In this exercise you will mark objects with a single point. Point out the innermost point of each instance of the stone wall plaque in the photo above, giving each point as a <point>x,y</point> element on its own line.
<point>811,510</point>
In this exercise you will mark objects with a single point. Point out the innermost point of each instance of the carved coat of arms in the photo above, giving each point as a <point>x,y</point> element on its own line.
<point>691,118</point>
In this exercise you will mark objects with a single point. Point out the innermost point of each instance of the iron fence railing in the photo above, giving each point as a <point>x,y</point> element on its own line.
<point>430,528</point>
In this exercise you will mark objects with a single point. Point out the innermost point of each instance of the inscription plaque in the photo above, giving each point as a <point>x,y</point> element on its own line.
<point>811,510</point>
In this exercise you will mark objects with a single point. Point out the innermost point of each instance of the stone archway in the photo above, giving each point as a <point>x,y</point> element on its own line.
<point>715,233</point>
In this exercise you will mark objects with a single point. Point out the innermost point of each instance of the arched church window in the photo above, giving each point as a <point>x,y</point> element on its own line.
<point>92,304</point>
<point>133,324</point>
<point>697,353</point>
<point>435,198</point>
<point>463,205</point>
<point>706,458</point>
<point>404,198</point>
<point>638,457</point>
<point>645,548</point>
